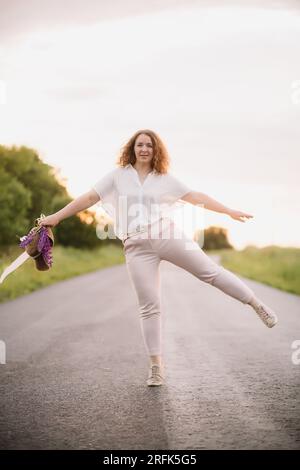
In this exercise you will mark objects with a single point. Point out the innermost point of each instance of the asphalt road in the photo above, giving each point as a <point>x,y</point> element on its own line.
<point>76,368</point>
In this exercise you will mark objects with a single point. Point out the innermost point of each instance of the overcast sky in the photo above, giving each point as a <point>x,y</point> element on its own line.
<point>220,85</point>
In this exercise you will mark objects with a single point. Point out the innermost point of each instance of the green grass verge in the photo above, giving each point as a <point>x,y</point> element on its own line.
<point>68,262</point>
<point>276,266</point>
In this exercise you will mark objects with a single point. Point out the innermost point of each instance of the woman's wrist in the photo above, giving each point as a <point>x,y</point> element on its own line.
<point>58,217</point>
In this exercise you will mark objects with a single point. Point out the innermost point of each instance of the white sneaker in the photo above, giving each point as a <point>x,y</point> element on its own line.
<point>155,376</point>
<point>265,314</point>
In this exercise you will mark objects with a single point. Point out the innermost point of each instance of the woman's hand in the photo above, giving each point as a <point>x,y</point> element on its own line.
<point>50,221</point>
<point>240,216</point>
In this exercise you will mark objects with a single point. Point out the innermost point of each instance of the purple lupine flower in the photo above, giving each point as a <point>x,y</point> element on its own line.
<point>27,239</point>
<point>47,250</point>
<point>42,238</point>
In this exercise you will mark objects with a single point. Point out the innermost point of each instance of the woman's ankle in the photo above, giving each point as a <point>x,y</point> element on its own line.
<point>155,360</point>
<point>255,301</point>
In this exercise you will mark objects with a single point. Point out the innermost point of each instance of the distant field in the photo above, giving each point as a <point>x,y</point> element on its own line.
<point>275,266</point>
<point>68,262</point>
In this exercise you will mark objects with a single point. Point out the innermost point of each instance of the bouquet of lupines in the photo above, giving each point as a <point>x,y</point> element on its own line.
<point>38,244</point>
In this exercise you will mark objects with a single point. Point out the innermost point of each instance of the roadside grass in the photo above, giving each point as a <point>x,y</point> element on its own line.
<point>67,262</point>
<point>276,266</point>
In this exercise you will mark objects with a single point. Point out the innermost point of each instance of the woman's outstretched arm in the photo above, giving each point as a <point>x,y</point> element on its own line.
<point>79,204</point>
<point>194,197</point>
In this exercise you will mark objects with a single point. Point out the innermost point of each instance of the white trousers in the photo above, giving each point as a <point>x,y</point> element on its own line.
<point>145,251</point>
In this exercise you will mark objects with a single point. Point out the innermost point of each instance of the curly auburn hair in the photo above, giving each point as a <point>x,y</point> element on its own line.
<point>160,161</point>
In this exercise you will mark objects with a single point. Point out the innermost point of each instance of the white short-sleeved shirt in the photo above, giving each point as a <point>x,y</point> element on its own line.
<point>133,204</point>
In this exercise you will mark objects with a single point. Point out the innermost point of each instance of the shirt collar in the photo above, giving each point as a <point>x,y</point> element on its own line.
<point>131,167</point>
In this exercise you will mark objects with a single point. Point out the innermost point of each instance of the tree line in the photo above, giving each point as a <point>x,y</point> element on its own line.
<point>29,187</point>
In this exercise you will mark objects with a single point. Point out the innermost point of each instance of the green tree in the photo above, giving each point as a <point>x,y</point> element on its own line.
<point>214,238</point>
<point>30,187</point>
<point>25,165</point>
<point>15,202</point>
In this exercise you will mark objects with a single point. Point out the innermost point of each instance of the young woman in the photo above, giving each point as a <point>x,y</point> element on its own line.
<point>139,194</point>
